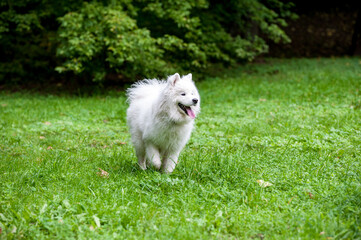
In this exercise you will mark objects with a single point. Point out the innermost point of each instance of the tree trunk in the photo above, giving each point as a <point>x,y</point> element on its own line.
<point>356,33</point>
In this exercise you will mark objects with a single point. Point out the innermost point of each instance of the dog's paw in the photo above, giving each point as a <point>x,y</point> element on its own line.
<point>142,166</point>
<point>156,164</point>
<point>168,170</point>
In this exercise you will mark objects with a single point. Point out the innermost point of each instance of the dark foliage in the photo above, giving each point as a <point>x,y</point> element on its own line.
<point>132,39</point>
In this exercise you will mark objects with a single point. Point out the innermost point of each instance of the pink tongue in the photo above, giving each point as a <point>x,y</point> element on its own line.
<point>190,113</point>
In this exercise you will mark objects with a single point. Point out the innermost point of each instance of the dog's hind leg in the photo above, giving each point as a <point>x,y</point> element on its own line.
<point>153,156</point>
<point>140,152</point>
<point>139,149</point>
<point>141,157</point>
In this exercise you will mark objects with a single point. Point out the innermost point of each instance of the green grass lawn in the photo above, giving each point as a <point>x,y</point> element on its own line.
<point>293,123</point>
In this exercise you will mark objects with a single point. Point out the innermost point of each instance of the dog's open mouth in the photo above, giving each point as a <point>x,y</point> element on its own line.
<point>187,110</point>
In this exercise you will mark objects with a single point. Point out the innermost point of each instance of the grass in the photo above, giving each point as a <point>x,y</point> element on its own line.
<point>293,123</point>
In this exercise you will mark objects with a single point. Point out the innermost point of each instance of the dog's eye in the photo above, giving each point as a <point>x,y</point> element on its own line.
<point>183,94</point>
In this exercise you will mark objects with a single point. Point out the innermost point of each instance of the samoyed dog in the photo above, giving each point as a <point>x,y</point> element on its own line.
<point>161,117</point>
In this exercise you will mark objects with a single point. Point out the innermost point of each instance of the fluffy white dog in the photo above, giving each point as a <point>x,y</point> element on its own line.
<point>161,118</point>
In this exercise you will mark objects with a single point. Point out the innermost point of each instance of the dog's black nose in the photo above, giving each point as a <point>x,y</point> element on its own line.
<point>195,100</point>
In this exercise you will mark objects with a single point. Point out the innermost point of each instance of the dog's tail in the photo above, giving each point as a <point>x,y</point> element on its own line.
<point>144,88</point>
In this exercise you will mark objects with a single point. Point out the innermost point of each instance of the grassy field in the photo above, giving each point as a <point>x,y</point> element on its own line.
<point>295,124</point>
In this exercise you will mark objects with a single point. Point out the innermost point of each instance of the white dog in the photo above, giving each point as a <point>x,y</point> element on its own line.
<point>161,118</point>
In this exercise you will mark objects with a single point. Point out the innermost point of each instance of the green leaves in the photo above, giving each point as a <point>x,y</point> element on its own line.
<point>134,39</point>
<point>163,36</point>
<point>100,39</point>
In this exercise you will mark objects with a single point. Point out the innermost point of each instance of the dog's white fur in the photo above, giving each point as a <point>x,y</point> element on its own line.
<point>161,118</point>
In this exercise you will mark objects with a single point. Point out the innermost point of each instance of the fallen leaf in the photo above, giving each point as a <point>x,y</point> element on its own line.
<point>41,137</point>
<point>105,121</point>
<point>264,184</point>
<point>321,233</point>
<point>310,195</point>
<point>49,148</point>
<point>262,100</point>
<point>47,123</point>
<point>3,104</point>
<point>103,173</point>
<point>122,143</point>
<point>259,235</point>
<point>61,221</point>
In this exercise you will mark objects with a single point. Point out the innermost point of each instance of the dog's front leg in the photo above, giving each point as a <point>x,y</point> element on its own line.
<point>153,156</point>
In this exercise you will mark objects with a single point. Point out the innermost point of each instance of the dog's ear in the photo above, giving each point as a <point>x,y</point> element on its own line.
<point>189,75</point>
<point>173,79</point>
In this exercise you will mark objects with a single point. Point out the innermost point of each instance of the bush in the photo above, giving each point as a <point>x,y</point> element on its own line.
<point>28,31</point>
<point>136,39</point>
<point>98,39</point>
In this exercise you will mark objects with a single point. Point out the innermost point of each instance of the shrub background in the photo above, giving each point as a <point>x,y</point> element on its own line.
<point>132,39</point>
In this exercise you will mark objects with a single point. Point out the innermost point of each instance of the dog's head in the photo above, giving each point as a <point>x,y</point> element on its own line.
<point>184,95</point>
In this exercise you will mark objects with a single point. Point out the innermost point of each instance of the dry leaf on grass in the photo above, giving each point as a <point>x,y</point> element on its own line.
<point>47,123</point>
<point>103,173</point>
<point>310,195</point>
<point>259,236</point>
<point>41,137</point>
<point>49,148</point>
<point>264,184</point>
